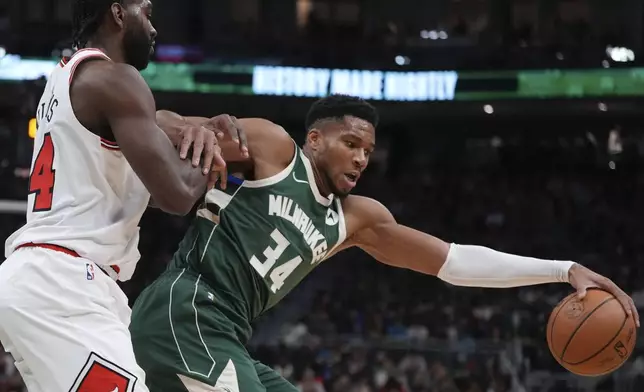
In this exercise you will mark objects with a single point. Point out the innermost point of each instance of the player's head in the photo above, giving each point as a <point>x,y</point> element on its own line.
<point>341,137</point>
<point>126,21</point>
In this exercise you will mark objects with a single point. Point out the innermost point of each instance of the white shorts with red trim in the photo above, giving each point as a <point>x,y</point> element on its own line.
<point>66,324</point>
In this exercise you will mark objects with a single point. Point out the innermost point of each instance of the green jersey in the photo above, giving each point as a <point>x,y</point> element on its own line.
<point>270,234</point>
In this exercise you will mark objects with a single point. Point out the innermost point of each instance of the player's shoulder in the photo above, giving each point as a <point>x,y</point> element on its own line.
<point>361,212</point>
<point>362,204</point>
<point>98,76</point>
<point>264,128</point>
<point>112,87</point>
<point>268,140</point>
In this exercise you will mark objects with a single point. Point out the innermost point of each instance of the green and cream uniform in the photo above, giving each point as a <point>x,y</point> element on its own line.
<point>190,326</point>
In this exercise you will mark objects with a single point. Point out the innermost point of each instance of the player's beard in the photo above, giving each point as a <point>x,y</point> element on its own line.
<point>332,187</point>
<point>137,47</point>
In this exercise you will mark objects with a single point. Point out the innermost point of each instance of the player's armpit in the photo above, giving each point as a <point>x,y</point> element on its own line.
<point>128,106</point>
<point>376,232</point>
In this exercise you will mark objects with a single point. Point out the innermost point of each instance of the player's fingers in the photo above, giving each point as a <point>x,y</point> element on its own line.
<point>581,292</point>
<point>219,165</point>
<point>231,128</point>
<point>621,296</point>
<point>634,311</point>
<point>220,125</point>
<point>218,160</point>
<point>223,176</point>
<point>212,179</point>
<point>241,134</point>
<point>186,141</point>
<point>198,145</point>
<point>213,125</point>
<point>210,145</point>
<point>624,300</point>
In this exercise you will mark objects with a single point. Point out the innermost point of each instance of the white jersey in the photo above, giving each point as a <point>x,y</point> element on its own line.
<point>83,194</point>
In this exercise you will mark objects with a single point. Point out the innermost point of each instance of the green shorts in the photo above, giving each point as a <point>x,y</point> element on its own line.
<point>183,339</point>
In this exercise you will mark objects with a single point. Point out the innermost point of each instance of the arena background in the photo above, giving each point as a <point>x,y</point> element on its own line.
<point>515,124</point>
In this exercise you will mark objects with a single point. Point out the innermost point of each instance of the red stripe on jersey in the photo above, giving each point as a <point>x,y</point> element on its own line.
<point>109,142</point>
<point>62,249</point>
<point>50,247</point>
<point>108,145</point>
<point>110,148</point>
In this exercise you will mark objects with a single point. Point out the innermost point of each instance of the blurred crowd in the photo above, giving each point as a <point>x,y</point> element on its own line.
<point>372,328</point>
<point>461,35</point>
<point>481,34</point>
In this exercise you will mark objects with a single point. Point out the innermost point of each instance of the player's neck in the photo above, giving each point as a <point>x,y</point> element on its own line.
<point>323,187</point>
<point>110,47</point>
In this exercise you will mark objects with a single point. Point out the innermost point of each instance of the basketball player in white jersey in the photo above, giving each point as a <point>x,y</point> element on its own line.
<point>98,156</point>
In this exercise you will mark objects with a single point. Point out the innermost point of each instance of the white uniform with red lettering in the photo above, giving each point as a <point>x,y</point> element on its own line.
<point>62,314</point>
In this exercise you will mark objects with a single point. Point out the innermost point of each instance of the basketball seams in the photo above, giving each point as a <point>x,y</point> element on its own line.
<point>572,335</point>
<point>554,321</point>
<point>619,331</point>
<point>598,362</point>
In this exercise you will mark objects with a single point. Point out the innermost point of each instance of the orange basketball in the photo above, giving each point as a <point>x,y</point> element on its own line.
<point>591,337</point>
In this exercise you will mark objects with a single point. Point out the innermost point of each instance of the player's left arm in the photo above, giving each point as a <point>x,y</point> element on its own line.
<point>376,231</point>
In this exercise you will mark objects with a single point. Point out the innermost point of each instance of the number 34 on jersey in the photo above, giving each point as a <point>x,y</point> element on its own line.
<point>278,271</point>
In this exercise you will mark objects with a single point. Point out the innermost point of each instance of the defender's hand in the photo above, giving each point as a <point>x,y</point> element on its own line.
<point>225,127</point>
<point>582,279</point>
<point>204,143</point>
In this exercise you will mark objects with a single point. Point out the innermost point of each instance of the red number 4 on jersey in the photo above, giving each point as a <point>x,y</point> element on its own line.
<point>41,181</point>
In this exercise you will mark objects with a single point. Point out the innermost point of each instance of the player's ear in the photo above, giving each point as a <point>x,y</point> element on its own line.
<point>314,138</point>
<point>118,14</point>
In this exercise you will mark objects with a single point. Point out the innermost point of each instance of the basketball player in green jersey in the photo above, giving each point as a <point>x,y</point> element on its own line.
<point>254,239</point>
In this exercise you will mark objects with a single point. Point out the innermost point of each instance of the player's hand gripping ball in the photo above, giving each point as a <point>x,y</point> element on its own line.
<point>592,336</point>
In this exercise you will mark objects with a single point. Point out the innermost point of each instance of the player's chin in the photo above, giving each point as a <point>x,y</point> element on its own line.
<point>343,190</point>
<point>141,65</point>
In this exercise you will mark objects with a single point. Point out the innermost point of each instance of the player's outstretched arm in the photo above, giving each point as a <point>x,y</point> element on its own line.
<point>127,104</point>
<point>376,231</point>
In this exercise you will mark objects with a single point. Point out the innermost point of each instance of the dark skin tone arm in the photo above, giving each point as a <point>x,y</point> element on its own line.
<point>372,228</point>
<point>269,148</point>
<point>126,109</point>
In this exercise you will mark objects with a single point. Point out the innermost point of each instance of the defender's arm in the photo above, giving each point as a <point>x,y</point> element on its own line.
<point>126,102</point>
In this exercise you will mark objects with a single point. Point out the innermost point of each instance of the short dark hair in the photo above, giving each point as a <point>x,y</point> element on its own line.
<point>337,106</point>
<point>87,16</point>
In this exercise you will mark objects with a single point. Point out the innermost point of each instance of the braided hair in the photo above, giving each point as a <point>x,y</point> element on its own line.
<point>87,16</point>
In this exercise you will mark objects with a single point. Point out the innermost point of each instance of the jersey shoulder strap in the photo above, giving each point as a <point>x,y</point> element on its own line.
<point>69,64</point>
